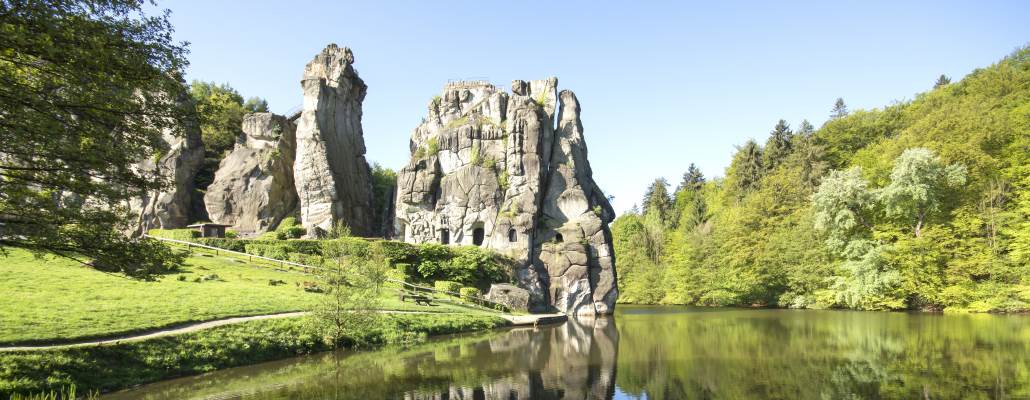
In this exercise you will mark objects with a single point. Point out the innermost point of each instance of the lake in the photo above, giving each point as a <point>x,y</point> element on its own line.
<point>663,353</point>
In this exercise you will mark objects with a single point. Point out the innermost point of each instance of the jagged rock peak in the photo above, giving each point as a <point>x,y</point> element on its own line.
<point>492,169</point>
<point>333,179</point>
<point>253,189</point>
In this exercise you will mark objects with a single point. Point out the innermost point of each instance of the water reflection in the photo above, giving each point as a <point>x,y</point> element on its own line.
<point>575,360</point>
<point>664,353</point>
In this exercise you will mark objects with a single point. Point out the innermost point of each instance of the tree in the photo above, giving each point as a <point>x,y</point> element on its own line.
<point>943,80</point>
<point>353,288</point>
<point>693,179</point>
<point>657,200</point>
<point>256,105</point>
<point>221,109</point>
<point>747,168</point>
<point>843,207</point>
<point>88,88</point>
<point>919,184</point>
<point>384,180</point>
<point>779,145</point>
<point>839,109</point>
<point>805,129</point>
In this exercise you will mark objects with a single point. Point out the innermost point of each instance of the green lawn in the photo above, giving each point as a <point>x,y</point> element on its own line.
<point>105,368</point>
<point>52,299</point>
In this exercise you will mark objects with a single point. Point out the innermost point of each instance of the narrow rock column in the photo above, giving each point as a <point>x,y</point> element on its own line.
<point>332,177</point>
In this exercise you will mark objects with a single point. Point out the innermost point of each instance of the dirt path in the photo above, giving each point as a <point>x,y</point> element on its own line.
<point>156,333</point>
<point>515,320</point>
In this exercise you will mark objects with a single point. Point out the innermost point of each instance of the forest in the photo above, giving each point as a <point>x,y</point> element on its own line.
<point>919,205</point>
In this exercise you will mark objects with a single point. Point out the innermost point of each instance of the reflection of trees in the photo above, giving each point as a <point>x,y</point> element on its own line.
<point>575,360</point>
<point>724,354</point>
<point>828,354</point>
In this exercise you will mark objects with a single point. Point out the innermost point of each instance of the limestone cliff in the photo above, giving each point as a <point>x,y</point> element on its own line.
<point>493,169</point>
<point>331,175</point>
<point>178,165</point>
<point>253,188</point>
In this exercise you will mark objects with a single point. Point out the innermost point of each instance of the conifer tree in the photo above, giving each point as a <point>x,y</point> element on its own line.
<point>840,110</point>
<point>779,145</point>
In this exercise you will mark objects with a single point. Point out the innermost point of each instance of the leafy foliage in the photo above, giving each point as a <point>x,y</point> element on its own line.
<point>88,89</point>
<point>221,109</point>
<point>919,205</point>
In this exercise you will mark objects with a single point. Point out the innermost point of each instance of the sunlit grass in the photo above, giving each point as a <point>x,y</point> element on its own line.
<point>52,299</point>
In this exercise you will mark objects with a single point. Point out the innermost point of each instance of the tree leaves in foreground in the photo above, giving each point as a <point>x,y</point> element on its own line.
<point>87,89</point>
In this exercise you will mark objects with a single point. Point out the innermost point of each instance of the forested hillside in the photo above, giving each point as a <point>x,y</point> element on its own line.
<point>919,205</point>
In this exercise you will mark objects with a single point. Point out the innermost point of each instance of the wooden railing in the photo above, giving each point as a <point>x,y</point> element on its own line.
<point>478,300</point>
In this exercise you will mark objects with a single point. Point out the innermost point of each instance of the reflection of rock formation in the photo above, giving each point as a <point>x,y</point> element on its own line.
<point>253,188</point>
<point>575,360</point>
<point>504,171</point>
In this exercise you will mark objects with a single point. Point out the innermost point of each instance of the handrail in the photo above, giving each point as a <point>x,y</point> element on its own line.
<point>305,266</point>
<point>217,249</point>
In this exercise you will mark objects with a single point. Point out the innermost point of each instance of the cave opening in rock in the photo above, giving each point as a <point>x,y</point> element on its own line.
<point>558,238</point>
<point>513,236</point>
<point>477,236</point>
<point>445,236</point>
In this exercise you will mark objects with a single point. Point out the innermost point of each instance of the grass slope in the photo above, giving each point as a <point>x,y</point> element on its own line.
<point>53,300</point>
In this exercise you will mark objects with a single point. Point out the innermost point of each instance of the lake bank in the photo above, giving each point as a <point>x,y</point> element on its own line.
<point>664,352</point>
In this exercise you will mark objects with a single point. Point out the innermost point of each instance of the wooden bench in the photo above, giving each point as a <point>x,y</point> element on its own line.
<point>419,299</point>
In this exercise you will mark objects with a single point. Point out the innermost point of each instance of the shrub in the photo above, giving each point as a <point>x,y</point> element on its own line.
<point>288,229</point>
<point>176,234</point>
<point>231,234</point>
<point>268,236</point>
<point>223,243</point>
<point>447,286</point>
<point>397,252</point>
<point>469,293</point>
<point>434,145</point>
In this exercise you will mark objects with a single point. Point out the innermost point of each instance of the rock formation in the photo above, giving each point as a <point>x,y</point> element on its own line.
<point>253,188</point>
<point>178,166</point>
<point>492,169</point>
<point>331,175</point>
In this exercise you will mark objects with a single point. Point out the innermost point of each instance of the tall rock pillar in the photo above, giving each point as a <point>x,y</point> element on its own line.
<point>332,177</point>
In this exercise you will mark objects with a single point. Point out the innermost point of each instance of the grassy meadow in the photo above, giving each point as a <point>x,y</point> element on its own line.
<point>53,300</point>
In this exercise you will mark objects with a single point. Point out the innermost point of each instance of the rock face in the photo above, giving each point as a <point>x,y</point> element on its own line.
<point>512,296</point>
<point>331,175</point>
<point>253,188</point>
<point>178,165</point>
<point>505,172</point>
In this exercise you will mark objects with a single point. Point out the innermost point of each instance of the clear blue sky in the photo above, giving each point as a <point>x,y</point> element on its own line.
<point>662,84</point>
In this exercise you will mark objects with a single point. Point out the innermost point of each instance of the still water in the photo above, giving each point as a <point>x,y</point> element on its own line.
<point>664,353</point>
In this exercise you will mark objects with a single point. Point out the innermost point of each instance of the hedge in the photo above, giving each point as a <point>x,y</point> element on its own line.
<point>447,286</point>
<point>469,293</point>
<point>423,263</point>
<point>176,234</point>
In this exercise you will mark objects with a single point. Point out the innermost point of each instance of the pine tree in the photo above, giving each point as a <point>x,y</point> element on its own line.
<point>779,145</point>
<point>657,199</point>
<point>747,169</point>
<point>839,109</point>
<point>693,179</point>
<point>805,129</point>
<point>943,80</point>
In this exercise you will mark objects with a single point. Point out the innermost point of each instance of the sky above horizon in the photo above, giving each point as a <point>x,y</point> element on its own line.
<point>661,84</point>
